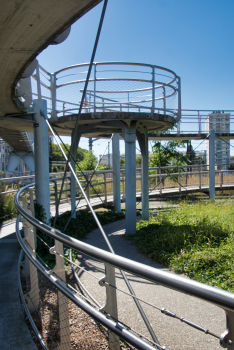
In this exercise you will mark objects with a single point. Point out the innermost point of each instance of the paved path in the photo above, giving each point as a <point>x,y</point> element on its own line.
<point>170,332</point>
<point>175,335</point>
<point>14,333</point>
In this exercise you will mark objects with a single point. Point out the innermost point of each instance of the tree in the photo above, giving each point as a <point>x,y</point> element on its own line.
<point>167,153</point>
<point>57,156</point>
<point>88,163</point>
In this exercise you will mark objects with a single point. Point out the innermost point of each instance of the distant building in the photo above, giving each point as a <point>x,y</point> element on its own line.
<point>107,159</point>
<point>220,123</point>
<point>4,156</point>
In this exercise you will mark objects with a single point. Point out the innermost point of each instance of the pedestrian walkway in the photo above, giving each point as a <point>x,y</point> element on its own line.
<point>171,332</point>
<point>14,333</point>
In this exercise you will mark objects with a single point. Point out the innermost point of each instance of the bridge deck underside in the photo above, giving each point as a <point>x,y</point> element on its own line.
<point>17,140</point>
<point>27,28</point>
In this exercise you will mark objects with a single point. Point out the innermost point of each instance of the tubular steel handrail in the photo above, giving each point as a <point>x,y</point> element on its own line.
<point>158,173</point>
<point>216,296</point>
<point>163,95</point>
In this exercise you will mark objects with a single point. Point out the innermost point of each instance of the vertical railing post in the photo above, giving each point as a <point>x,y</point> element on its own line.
<point>160,180</point>
<point>94,88</point>
<point>32,296</point>
<point>199,123</point>
<point>67,182</point>
<point>164,100</point>
<point>105,189</point>
<point>110,307</point>
<point>53,96</point>
<point>221,182</point>
<point>38,81</point>
<point>123,197</point>
<point>64,103</point>
<point>178,128</point>
<point>153,92</point>
<point>179,100</point>
<point>179,180</point>
<point>59,272</point>
<point>200,177</point>
<point>56,197</point>
<point>212,164</point>
<point>88,186</point>
<point>116,173</point>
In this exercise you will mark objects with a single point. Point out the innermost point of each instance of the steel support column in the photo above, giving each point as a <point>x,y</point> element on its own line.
<point>75,143</point>
<point>130,178</point>
<point>116,173</point>
<point>143,142</point>
<point>212,165</point>
<point>41,153</point>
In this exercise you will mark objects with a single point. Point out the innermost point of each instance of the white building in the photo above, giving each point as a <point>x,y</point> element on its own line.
<point>220,123</point>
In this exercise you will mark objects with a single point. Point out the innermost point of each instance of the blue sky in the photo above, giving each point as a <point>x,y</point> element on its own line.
<point>192,38</point>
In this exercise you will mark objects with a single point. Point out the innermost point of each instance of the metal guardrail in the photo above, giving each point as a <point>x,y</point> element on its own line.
<point>120,83</point>
<point>113,86</point>
<point>220,298</point>
<point>163,178</point>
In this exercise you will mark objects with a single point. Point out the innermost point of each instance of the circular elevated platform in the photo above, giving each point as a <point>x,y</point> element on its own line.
<point>104,124</point>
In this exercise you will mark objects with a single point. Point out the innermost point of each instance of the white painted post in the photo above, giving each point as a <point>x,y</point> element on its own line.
<point>105,189</point>
<point>41,153</point>
<point>38,81</point>
<point>75,142</point>
<point>153,92</point>
<point>110,307</point>
<point>123,184</point>
<point>212,165</point>
<point>179,178</point>
<point>130,178</point>
<point>94,89</point>
<point>143,142</point>
<point>116,173</point>
<point>53,96</point>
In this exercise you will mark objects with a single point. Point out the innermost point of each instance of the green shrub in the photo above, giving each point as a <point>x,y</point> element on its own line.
<point>7,207</point>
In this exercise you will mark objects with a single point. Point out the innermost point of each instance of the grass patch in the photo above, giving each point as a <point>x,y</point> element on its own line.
<point>196,240</point>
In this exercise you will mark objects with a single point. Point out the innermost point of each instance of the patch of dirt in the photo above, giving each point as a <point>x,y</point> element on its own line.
<point>85,332</point>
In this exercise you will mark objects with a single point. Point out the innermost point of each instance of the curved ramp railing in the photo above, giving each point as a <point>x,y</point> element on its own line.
<point>56,277</point>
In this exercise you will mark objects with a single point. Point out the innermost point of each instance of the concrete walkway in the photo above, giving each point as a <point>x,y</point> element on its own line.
<point>170,332</point>
<point>14,333</point>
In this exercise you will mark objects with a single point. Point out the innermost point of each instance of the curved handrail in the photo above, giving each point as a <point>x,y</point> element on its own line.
<point>213,295</point>
<point>105,320</point>
<point>124,84</point>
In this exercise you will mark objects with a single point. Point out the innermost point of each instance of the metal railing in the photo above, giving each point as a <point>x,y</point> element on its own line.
<point>124,87</point>
<point>57,279</point>
<point>113,86</point>
<point>164,180</point>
